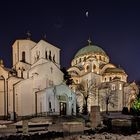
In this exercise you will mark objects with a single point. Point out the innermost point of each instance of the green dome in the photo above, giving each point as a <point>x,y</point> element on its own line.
<point>90,49</point>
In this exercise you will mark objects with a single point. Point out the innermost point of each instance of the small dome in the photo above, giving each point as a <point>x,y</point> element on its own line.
<point>114,70</point>
<point>116,78</point>
<point>90,49</point>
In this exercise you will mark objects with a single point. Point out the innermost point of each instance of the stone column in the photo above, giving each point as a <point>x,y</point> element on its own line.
<point>95,116</point>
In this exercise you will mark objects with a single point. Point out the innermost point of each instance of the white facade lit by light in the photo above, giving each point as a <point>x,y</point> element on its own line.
<point>36,67</point>
<point>100,80</point>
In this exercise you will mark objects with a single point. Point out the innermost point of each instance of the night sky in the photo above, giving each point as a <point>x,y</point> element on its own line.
<point>112,24</point>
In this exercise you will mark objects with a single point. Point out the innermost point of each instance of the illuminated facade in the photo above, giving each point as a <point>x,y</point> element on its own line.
<point>101,82</point>
<point>36,67</point>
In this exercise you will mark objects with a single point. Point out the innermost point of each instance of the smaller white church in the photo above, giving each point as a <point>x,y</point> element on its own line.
<point>56,100</point>
<point>34,84</point>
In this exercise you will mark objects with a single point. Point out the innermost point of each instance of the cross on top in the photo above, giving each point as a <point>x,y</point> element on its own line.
<point>28,35</point>
<point>89,42</point>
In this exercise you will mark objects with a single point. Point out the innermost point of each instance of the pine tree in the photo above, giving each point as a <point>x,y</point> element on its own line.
<point>67,76</point>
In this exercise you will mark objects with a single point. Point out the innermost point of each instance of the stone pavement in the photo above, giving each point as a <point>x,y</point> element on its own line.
<point>103,136</point>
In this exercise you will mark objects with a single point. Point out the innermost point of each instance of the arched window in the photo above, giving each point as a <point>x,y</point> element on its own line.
<point>46,55</point>
<point>110,78</point>
<point>23,56</point>
<point>50,106</point>
<point>79,60</point>
<point>113,87</point>
<point>21,74</point>
<point>94,67</point>
<point>100,58</point>
<point>50,57</point>
<point>54,58</point>
<point>120,86</point>
<point>87,67</point>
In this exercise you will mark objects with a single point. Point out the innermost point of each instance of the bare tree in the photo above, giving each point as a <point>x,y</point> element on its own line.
<point>87,89</point>
<point>109,97</point>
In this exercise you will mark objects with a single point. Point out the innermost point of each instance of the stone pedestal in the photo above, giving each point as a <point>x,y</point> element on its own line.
<point>73,128</point>
<point>25,127</point>
<point>95,116</point>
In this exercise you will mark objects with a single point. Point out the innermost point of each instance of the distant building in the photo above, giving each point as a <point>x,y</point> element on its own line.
<point>36,69</point>
<point>100,81</point>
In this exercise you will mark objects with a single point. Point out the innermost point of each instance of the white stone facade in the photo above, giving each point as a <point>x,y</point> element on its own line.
<point>36,67</point>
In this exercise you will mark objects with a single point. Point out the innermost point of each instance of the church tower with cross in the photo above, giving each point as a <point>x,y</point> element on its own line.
<point>22,55</point>
<point>34,84</point>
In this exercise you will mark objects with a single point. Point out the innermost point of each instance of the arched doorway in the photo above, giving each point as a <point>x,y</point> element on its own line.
<point>63,108</point>
<point>62,104</point>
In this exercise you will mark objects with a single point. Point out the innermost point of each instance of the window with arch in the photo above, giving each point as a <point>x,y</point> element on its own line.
<point>50,106</point>
<point>54,58</point>
<point>79,60</point>
<point>50,57</point>
<point>100,58</point>
<point>87,67</point>
<point>113,86</point>
<point>94,66</point>
<point>21,73</point>
<point>23,56</point>
<point>110,78</point>
<point>120,86</point>
<point>105,79</point>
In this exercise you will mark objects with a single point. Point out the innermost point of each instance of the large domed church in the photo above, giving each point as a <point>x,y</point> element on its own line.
<point>97,81</point>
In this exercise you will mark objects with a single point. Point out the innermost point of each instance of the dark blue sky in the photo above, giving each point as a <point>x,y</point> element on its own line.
<point>112,24</point>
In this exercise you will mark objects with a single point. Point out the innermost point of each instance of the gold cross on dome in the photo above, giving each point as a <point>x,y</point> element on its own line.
<point>89,41</point>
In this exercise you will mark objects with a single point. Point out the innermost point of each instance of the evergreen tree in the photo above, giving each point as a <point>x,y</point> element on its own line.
<point>67,76</point>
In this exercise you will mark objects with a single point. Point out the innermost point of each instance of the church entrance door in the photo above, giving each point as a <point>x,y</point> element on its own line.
<point>62,108</point>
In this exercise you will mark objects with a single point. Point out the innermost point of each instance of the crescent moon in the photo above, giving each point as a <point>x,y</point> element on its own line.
<point>87,14</point>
